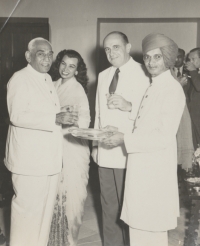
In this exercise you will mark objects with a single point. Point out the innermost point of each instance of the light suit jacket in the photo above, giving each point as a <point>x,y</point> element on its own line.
<point>132,85</point>
<point>34,141</point>
<point>151,200</point>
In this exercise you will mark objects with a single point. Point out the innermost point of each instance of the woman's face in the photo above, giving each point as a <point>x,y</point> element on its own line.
<point>68,67</point>
<point>154,62</point>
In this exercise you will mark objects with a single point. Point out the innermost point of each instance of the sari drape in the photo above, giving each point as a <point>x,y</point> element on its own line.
<point>72,190</point>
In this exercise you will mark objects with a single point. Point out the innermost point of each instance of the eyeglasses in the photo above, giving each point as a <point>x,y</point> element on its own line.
<point>42,55</point>
<point>155,57</point>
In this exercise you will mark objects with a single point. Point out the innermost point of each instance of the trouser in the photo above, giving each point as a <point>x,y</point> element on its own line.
<point>32,209</point>
<point>195,135</point>
<point>112,188</point>
<point>147,238</point>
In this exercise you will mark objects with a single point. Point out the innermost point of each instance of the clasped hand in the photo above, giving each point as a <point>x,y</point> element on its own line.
<point>115,140</point>
<point>119,102</point>
<point>67,118</point>
<point>183,80</point>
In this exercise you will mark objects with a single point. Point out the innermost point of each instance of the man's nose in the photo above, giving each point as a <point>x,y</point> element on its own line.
<point>47,57</point>
<point>151,61</point>
<point>111,52</point>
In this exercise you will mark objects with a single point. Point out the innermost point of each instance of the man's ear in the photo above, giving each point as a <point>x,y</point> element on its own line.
<point>28,56</point>
<point>128,48</point>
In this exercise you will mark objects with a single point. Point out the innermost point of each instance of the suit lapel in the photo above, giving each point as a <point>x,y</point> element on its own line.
<point>103,91</point>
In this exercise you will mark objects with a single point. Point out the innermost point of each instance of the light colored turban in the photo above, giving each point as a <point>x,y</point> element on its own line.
<point>167,46</point>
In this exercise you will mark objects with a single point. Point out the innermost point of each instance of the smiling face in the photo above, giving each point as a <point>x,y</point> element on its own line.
<point>41,56</point>
<point>154,62</point>
<point>117,51</point>
<point>68,68</point>
<point>195,59</point>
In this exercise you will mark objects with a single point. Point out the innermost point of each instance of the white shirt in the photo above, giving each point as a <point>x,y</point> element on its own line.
<point>132,84</point>
<point>34,141</point>
<point>180,69</point>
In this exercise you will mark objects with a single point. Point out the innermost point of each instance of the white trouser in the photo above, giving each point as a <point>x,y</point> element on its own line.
<point>32,209</point>
<point>147,238</point>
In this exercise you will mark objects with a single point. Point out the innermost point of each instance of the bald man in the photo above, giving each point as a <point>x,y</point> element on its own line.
<point>34,146</point>
<point>151,202</point>
<point>114,101</point>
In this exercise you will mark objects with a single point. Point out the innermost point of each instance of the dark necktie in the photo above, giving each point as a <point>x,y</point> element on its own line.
<point>178,73</point>
<point>113,84</point>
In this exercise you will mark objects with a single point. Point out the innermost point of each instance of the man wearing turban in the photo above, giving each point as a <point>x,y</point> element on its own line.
<point>151,202</point>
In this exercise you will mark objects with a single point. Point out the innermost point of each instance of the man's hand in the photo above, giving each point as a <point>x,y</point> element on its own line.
<point>119,103</point>
<point>109,129</point>
<point>115,140</point>
<point>190,66</point>
<point>183,80</point>
<point>94,154</point>
<point>67,118</point>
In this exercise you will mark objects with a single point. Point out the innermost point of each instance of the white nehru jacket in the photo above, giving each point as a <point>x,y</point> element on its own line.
<point>34,142</point>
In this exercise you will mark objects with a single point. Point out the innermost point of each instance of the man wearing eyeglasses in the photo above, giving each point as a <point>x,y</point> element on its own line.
<point>151,202</point>
<point>34,146</point>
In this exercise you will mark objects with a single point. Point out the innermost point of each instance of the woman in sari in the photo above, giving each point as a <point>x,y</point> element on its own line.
<point>71,74</point>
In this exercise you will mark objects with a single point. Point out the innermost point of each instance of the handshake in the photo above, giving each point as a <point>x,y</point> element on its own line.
<point>68,115</point>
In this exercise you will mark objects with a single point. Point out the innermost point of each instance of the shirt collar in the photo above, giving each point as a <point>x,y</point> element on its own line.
<point>125,66</point>
<point>36,73</point>
<point>180,68</point>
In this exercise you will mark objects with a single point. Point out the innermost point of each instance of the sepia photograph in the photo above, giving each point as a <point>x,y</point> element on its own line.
<point>99,123</point>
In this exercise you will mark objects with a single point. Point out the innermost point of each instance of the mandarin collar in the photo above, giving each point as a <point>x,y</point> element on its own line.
<point>33,71</point>
<point>162,78</point>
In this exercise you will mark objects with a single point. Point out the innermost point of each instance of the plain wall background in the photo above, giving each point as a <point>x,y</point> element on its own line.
<point>137,31</point>
<point>73,23</point>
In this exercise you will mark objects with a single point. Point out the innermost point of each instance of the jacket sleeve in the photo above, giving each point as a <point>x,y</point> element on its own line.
<point>97,113</point>
<point>195,79</point>
<point>163,135</point>
<point>84,114</point>
<point>18,101</point>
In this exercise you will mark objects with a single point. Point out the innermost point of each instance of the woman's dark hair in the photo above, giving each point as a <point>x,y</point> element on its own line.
<point>81,77</point>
